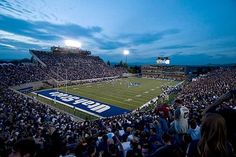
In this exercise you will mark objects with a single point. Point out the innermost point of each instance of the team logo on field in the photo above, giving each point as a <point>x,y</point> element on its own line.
<point>93,106</point>
<point>81,103</point>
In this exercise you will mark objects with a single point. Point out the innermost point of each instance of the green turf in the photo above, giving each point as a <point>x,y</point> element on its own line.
<point>118,93</point>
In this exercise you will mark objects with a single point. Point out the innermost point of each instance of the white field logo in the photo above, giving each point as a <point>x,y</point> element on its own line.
<point>91,105</point>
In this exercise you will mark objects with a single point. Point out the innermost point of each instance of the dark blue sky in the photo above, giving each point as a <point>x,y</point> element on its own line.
<point>190,32</point>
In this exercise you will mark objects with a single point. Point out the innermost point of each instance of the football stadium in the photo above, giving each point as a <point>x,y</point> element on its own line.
<point>110,93</point>
<point>98,85</point>
<point>127,93</point>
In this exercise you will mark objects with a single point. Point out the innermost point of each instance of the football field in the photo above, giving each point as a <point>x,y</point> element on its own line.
<point>127,93</point>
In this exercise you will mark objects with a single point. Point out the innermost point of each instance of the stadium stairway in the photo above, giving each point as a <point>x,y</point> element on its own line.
<point>58,77</point>
<point>37,59</point>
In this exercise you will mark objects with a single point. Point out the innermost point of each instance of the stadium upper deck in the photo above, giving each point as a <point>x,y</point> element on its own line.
<point>164,71</point>
<point>75,66</point>
<point>59,66</point>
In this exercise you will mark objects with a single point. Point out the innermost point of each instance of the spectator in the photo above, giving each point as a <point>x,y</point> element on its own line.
<point>168,149</point>
<point>213,141</point>
<point>24,148</point>
<point>135,150</point>
<point>181,114</point>
<point>194,130</point>
<point>56,133</point>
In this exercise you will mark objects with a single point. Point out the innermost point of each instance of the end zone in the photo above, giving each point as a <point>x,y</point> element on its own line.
<point>87,105</point>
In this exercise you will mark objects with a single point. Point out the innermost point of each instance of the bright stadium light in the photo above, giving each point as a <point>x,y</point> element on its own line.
<point>72,43</point>
<point>126,52</point>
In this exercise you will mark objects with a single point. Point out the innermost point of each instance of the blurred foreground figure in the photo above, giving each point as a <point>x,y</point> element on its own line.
<point>213,141</point>
<point>23,148</point>
<point>222,107</point>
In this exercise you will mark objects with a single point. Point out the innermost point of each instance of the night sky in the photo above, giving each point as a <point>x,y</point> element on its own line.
<point>192,32</point>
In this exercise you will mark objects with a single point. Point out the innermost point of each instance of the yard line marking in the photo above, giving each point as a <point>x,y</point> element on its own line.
<point>117,91</point>
<point>106,98</point>
<point>129,99</point>
<point>113,94</point>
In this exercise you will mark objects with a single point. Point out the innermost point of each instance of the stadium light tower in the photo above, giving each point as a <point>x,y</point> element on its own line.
<point>126,53</point>
<point>72,43</point>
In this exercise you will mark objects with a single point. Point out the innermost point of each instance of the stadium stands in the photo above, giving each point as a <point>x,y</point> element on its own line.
<point>76,66</point>
<point>141,133</point>
<point>57,66</point>
<point>164,72</point>
<point>12,74</point>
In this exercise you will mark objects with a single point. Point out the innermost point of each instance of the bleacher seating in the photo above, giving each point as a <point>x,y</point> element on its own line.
<point>140,133</point>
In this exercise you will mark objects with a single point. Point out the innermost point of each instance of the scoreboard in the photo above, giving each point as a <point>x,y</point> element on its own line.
<point>163,60</point>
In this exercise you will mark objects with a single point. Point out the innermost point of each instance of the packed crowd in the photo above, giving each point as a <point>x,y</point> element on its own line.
<point>59,67</point>
<point>206,90</point>
<point>19,74</point>
<point>22,117</point>
<point>32,129</point>
<point>74,66</point>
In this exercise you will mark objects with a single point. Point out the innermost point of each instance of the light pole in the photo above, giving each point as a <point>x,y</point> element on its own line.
<point>57,77</point>
<point>126,53</point>
<point>66,80</point>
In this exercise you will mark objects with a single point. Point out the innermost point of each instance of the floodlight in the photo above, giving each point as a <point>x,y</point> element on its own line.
<point>126,52</point>
<point>72,43</point>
